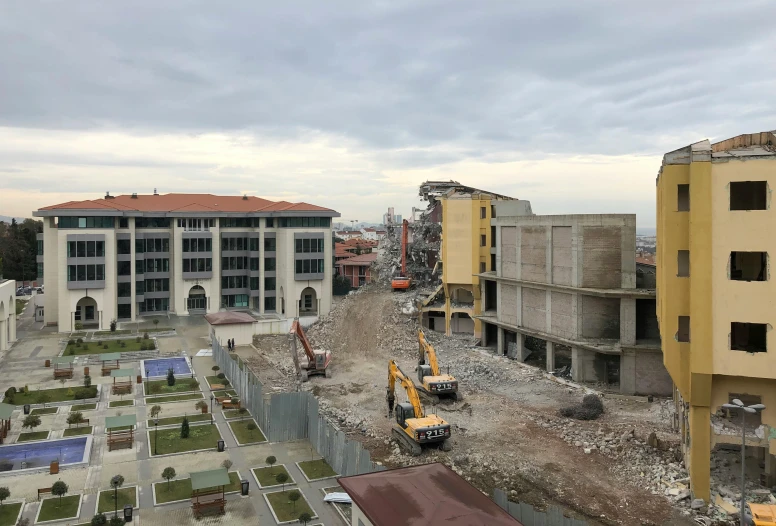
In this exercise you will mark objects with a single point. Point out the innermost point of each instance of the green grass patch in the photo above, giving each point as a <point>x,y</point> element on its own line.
<point>181,489</point>
<point>266,476</point>
<point>20,306</point>
<point>83,407</point>
<point>228,392</point>
<point>8,513</point>
<point>77,431</point>
<point>173,398</point>
<point>240,429</point>
<point>214,380</point>
<point>156,387</point>
<point>44,411</point>
<point>285,510</point>
<point>59,394</point>
<point>52,509</point>
<point>316,469</point>
<point>99,346</point>
<point>106,503</point>
<point>203,436</point>
<point>172,420</point>
<point>35,435</point>
<point>235,413</point>
<point>121,403</point>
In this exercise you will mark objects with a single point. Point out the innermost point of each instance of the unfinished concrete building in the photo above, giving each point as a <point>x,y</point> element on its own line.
<point>570,284</point>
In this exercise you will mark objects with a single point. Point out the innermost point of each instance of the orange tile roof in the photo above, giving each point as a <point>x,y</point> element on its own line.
<point>188,203</point>
<point>363,259</point>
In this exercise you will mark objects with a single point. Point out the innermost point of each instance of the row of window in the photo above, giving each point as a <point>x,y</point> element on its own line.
<point>237,263</point>
<point>234,300</point>
<point>234,282</point>
<point>309,245</point>
<point>744,195</point>
<point>240,243</point>
<point>198,265</point>
<point>193,224</point>
<point>198,245</point>
<point>85,222</point>
<point>162,304</point>
<point>299,222</point>
<point>152,222</point>
<point>85,249</point>
<point>152,245</point>
<point>157,285</point>
<point>150,265</point>
<point>85,272</point>
<point>309,266</point>
<point>154,305</point>
<point>239,222</point>
<point>748,337</point>
<point>743,266</point>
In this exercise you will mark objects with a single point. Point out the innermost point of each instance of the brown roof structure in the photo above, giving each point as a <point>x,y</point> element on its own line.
<point>229,318</point>
<point>425,495</point>
<point>363,259</point>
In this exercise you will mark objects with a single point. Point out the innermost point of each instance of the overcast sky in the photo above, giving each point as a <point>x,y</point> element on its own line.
<point>352,104</point>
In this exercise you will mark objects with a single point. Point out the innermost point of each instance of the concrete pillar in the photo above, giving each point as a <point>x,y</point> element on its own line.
<point>699,459</point>
<point>583,365</point>
<point>3,336</point>
<point>550,357</point>
<point>628,321</point>
<point>770,468</point>
<point>484,337</point>
<point>628,372</point>
<point>520,352</point>
<point>501,342</point>
<point>12,322</point>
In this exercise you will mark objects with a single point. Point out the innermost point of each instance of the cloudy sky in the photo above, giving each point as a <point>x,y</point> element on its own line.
<point>352,104</point>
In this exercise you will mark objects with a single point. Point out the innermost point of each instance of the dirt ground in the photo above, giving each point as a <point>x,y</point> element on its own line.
<point>506,432</point>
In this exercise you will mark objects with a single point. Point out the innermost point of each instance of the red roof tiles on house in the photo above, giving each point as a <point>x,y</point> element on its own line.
<point>363,259</point>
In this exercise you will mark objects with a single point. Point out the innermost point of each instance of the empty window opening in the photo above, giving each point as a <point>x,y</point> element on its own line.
<point>749,266</point>
<point>748,195</point>
<point>483,240</point>
<point>483,267</point>
<point>683,263</point>
<point>683,334</point>
<point>683,198</point>
<point>491,295</point>
<point>748,337</point>
<point>483,212</point>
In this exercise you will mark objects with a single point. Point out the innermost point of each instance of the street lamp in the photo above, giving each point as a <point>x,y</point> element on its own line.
<point>212,397</point>
<point>756,408</point>
<point>146,386</point>
<point>156,433</point>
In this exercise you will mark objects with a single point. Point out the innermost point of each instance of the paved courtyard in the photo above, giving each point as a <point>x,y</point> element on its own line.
<point>24,365</point>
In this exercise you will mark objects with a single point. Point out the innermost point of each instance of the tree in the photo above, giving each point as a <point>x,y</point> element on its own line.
<point>76,417</point>
<point>293,497</point>
<point>116,482</point>
<point>4,494</point>
<point>201,405</point>
<point>43,398</point>
<point>185,428</point>
<point>170,377</point>
<point>113,325</point>
<point>31,422</point>
<point>226,464</point>
<point>156,322</point>
<point>99,520</point>
<point>251,427</point>
<point>242,412</point>
<point>59,489</point>
<point>304,518</point>
<point>168,474</point>
<point>155,410</point>
<point>270,460</point>
<point>215,369</point>
<point>282,478</point>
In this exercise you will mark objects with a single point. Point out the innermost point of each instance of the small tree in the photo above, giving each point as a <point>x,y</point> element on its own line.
<point>4,494</point>
<point>215,369</point>
<point>43,398</point>
<point>99,520</point>
<point>76,417</point>
<point>59,489</point>
<point>113,325</point>
<point>31,422</point>
<point>270,460</point>
<point>170,377</point>
<point>168,474</point>
<point>87,381</point>
<point>155,410</point>
<point>251,427</point>
<point>242,412</point>
<point>293,497</point>
<point>281,479</point>
<point>156,322</point>
<point>304,518</point>
<point>116,482</point>
<point>226,464</point>
<point>201,405</point>
<point>185,428</point>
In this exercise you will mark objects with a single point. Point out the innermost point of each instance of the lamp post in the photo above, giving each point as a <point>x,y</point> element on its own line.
<point>146,386</point>
<point>212,397</point>
<point>756,408</point>
<point>156,433</point>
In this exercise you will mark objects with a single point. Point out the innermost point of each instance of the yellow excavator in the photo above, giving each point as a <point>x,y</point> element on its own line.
<point>413,429</point>
<point>433,384</point>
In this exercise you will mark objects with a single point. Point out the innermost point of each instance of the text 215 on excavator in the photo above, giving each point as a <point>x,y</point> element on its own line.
<point>413,429</point>
<point>402,282</point>
<point>316,362</point>
<point>432,383</point>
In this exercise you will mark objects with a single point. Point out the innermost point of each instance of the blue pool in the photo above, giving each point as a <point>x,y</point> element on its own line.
<point>41,454</point>
<point>160,366</point>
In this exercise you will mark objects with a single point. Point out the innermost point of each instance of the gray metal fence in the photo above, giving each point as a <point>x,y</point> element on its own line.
<point>529,516</point>
<point>294,416</point>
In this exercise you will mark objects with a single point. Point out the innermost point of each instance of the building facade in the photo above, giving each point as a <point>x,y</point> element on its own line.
<point>572,283</point>
<point>357,269</point>
<point>716,301</point>
<point>125,257</point>
<point>7,313</point>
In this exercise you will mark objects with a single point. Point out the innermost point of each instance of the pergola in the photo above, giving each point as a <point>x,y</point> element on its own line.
<point>121,430</point>
<point>207,490</point>
<point>63,367</point>
<point>110,357</point>
<point>124,387</point>
<point>6,410</point>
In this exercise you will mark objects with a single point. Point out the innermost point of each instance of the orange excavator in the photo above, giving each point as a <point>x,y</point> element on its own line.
<point>316,362</point>
<point>402,282</point>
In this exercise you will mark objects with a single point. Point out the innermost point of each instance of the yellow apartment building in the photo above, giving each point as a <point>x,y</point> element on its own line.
<point>716,301</point>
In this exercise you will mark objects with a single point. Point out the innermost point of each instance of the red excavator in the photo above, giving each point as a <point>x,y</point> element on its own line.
<point>402,282</point>
<point>316,362</point>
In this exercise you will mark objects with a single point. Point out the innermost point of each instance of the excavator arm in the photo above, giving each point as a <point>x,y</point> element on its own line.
<point>298,331</point>
<point>394,373</point>
<point>404,242</point>
<point>427,349</point>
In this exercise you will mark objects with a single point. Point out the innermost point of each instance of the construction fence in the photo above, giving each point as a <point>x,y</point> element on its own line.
<point>283,417</point>
<point>529,516</point>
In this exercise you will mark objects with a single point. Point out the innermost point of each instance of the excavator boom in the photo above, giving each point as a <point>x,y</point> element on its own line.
<point>317,361</point>
<point>427,348</point>
<point>404,240</point>
<point>395,373</point>
<point>296,329</point>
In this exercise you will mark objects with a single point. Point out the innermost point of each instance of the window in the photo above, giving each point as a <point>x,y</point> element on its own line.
<point>683,263</point>
<point>40,247</point>
<point>40,271</point>
<point>139,288</point>
<point>155,305</point>
<point>749,337</point>
<point>269,265</point>
<point>237,222</point>
<point>308,301</point>
<point>749,266</point>
<point>123,222</point>
<point>123,246</point>
<point>139,266</point>
<point>683,334</point>
<point>269,303</point>
<point>683,198</point>
<point>482,267</point>
<point>124,268</point>
<point>81,246</point>
<point>85,222</point>
<point>493,211</point>
<point>254,263</point>
<point>270,222</point>
<point>749,195</point>
<point>253,244</point>
<point>139,246</point>
<point>254,283</point>
<point>302,222</point>
<point>270,244</point>
<point>85,272</point>
<point>125,311</point>
<point>483,240</point>
<point>152,222</point>
<point>124,290</point>
<point>483,212</point>
<point>236,300</point>
<point>234,282</point>
<point>269,283</point>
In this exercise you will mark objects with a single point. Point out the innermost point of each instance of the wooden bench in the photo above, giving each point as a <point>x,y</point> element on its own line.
<point>63,373</point>
<point>121,388</point>
<point>106,369</point>
<point>217,387</point>
<point>228,404</point>
<point>208,501</point>
<point>43,491</point>
<point>121,438</point>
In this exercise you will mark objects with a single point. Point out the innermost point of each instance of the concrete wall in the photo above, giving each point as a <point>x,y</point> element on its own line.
<point>602,257</point>
<point>509,252</point>
<point>562,257</point>
<point>534,309</point>
<point>533,253</point>
<point>358,518</point>
<point>600,317</point>
<point>508,304</point>
<point>651,375</point>
<point>242,333</point>
<point>8,313</point>
<point>563,315</point>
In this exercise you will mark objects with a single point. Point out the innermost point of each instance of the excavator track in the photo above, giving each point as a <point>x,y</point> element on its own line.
<point>409,445</point>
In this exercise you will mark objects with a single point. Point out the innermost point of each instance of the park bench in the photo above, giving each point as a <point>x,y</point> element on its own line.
<point>228,403</point>
<point>208,501</point>
<point>63,373</point>
<point>43,491</point>
<point>217,387</point>
<point>121,388</point>
<point>121,438</point>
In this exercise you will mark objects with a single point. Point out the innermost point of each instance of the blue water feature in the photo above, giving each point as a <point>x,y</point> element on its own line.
<point>160,366</point>
<point>41,454</point>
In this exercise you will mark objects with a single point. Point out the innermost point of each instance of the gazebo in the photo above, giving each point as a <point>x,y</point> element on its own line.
<point>63,367</point>
<point>107,362</point>
<point>207,490</point>
<point>121,430</point>
<point>124,387</point>
<point>6,410</point>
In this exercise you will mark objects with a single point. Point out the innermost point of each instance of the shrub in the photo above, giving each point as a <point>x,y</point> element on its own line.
<point>43,398</point>
<point>215,368</point>
<point>193,383</point>
<point>593,402</point>
<point>112,325</point>
<point>145,336</point>
<point>294,496</point>
<point>79,341</point>
<point>226,464</point>
<point>185,428</point>
<point>71,352</point>
<point>155,410</point>
<point>79,326</point>
<point>304,518</point>
<point>105,345</point>
<point>87,381</point>
<point>591,408</point>
<point>99,520</point>
<point>122,344</point>
<point>9,394</point>
<point>201,405</point>
<point>75,417</point>
<point>221,376</point>
<point>86,346</point>
<point>170,377</point>
<point>85,392</point>
<point>116,521</point>
<point>156,322</point>
<point>71,342</point>
<point>4,494</point>
<point>137,340</point>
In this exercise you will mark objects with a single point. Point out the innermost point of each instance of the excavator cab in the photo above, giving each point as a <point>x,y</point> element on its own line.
<point>423,371</point>
<point>320,360</point>
<point>403,412</point>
